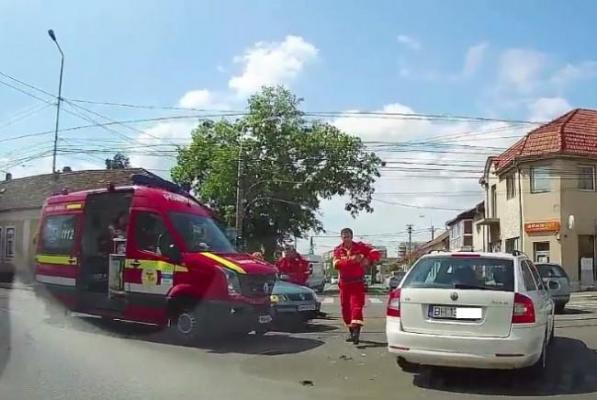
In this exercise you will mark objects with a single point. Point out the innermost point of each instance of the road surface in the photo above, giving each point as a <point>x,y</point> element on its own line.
<point>83,358</point>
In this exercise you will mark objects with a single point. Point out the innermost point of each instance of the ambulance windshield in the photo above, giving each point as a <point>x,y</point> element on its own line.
<point>201,233</point>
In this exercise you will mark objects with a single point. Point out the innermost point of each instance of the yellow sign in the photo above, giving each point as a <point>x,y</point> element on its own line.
<point>149,277</point>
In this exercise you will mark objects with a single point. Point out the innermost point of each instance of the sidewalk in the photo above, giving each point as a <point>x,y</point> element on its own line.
<point>16,284</point>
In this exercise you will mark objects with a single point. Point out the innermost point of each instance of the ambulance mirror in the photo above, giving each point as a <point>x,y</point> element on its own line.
<point>173,253</point>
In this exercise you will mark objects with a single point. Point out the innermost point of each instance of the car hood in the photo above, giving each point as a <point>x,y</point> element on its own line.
<point>283,287</point>
<point>239,262</point>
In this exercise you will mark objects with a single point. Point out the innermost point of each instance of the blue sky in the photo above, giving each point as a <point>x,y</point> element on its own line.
<point>508,59</point>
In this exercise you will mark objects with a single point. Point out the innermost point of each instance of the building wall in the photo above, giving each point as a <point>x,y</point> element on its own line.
<point>478,235</point>
<point>564,199</point>
<point>508,210</point>
<point>542,207</point>
<point>583,205</point>
<point>25,223</point>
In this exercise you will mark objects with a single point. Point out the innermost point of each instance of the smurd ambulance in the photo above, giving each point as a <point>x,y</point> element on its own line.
<point>171,264</point>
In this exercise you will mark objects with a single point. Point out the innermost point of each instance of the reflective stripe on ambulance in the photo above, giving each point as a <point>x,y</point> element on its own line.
<point>56,280</point>
<point>150,284</point>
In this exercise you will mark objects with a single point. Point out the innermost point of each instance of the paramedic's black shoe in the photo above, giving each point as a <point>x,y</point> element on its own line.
<point>349,338</point>
<point>356,333</point>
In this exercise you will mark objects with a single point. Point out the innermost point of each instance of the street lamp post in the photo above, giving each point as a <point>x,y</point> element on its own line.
<point>59,99</point>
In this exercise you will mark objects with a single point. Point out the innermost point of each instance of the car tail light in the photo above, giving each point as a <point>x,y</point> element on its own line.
<point>394,304</point>
<point>524,310</point>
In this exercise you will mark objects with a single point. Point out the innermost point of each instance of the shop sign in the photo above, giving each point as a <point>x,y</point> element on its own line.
<point>538,227</point>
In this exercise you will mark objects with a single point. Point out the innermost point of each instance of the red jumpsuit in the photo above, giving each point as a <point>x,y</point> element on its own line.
<point>296,268</point>
<point>352,279</point>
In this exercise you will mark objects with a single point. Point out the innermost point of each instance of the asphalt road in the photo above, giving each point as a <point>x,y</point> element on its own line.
<point>83,358</point>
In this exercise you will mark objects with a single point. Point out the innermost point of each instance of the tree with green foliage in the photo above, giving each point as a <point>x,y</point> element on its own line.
<point>287,166</point>
<point>120,161</point>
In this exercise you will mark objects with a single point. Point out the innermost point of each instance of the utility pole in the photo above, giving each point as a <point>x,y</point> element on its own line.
<point>311,246</point>
<point>59,100</point>
<point>239,211</point>
<point>409,229</point>
<point>432,232</point>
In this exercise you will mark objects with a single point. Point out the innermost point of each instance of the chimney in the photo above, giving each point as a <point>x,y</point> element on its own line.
<point>8,176</point>
<point>67,169</point>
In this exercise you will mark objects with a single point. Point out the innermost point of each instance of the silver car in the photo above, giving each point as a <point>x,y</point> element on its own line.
<point>558,283</point>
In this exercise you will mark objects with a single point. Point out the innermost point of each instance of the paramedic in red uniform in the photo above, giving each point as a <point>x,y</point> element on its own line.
<point>350,259</point>
<point>295,267</point>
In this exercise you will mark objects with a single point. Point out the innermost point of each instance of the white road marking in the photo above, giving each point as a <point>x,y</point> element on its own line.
<point>328,300</point>
<point>375,300</point>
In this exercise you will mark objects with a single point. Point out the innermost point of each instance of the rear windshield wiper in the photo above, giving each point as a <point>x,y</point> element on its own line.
<point>464,286</point>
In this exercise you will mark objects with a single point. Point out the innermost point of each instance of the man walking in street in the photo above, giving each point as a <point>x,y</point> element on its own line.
<point>351,259</point>
<point>294,267</point>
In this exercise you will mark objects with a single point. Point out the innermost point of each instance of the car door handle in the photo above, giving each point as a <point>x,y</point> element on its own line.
<point>72,260</point>
<point>136,263</point>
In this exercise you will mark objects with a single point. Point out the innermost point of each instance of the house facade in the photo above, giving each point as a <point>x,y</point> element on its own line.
<point>21,201</point>
<point>464,232</point>
<point>541,195</point>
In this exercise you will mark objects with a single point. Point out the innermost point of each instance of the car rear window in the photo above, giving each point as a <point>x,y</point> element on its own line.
<point>462,273</point>
<point>551,271</point>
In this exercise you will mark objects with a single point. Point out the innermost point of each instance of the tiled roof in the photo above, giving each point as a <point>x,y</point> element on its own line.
<point>468,214</point>
<point>574,133</point>
<point>32,191</point>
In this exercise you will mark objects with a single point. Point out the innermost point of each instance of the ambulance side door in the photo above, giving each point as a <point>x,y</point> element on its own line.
<point>57,263</point>
<point>149,274</point>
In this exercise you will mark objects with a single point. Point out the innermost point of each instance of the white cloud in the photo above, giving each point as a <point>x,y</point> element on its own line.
<point>409,42</point>
<point>547,108</point>
<point>574,72</point>
<point>473,59</point>
<point>195,99</point>
<point>521,69</point>
<point>425,174</point>
<point>271,63</point>
<point>161,137</point>
<point>387,129</point>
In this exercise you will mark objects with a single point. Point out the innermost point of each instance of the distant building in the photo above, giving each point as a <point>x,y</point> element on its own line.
<point>541,195</point>
<point>461,232</point>
<point>21,201</point>
<point>440,243</point>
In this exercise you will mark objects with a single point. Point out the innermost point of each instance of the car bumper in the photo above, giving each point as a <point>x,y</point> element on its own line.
<point>299,310</point>
<point>520,349</point>
<point>233,315</point>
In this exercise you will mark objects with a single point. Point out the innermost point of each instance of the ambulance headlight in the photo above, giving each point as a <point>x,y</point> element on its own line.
<point>233,281</point>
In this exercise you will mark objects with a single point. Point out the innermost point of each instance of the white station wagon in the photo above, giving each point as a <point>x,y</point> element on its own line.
<point>471,310</point>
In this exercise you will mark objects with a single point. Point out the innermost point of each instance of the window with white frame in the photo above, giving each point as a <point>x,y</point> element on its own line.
<point>540,180</point>
<point>586,177</point>
<point>9,242</point>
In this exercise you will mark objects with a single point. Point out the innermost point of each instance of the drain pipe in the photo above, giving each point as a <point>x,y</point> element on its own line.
<point>520,209</point>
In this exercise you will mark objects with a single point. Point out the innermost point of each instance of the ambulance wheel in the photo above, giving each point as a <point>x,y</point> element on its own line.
<point>188,325</point>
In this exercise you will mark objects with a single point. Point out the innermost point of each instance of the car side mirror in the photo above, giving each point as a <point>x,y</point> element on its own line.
<point>173,253</point>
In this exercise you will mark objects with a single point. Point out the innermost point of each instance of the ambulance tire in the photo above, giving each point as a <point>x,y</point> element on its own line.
<point>189,325</point>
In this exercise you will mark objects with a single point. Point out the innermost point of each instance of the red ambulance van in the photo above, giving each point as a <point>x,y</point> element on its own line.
<point>150,253</point>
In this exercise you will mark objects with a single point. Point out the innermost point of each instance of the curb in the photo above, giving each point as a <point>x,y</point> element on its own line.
<point>16,286</point>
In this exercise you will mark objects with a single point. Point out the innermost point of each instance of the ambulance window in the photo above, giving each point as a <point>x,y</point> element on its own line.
<point>149,227</point>
<point>58,234</point>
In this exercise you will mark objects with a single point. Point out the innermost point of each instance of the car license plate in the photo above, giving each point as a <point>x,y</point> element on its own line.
<point>265,319</point>
<point>447,312</point>
<point>307,307</point>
